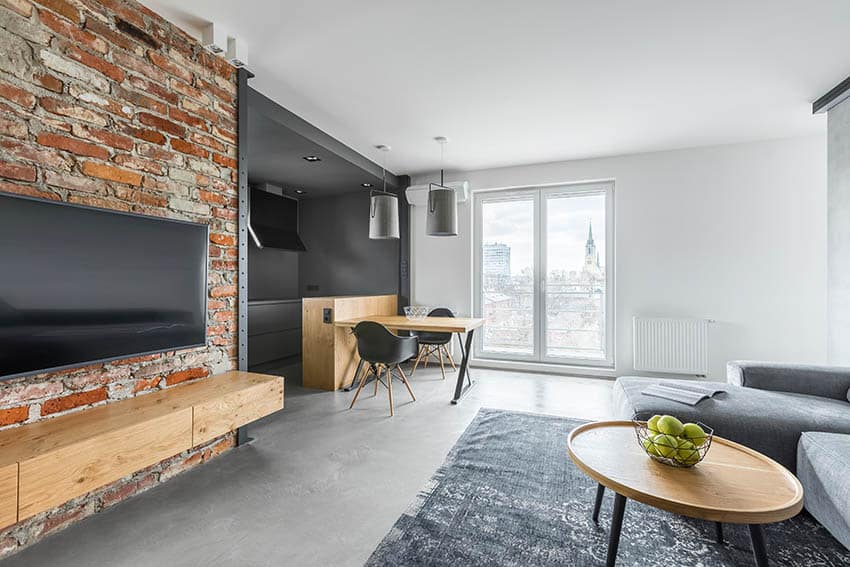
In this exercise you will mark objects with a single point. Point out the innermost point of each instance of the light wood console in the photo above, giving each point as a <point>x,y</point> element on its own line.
<point>47,463</point>
<point>329,353</point>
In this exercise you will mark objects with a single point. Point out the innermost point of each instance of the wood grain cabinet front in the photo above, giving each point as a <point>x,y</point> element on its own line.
<point>8,495</point>
<point>231,411</point>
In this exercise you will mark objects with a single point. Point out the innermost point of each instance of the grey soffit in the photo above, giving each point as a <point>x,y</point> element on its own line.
<point>278,141</point>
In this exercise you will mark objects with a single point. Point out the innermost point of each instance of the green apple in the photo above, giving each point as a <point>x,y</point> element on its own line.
<point>652,423</point>
<point>665,445</point>
<point>694,433</point>
<point>649,446</point>
<point>687,453</point>
<point>669,425</point>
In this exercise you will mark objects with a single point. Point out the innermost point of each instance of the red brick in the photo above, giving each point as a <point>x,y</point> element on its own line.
<point>138,99</point>
<point>146,384</point>
<point>188,148</point>
<point>191,92</point>
<point>98,202</point>
<point>73,111</point>
<point>199,110</point>
<point>184,375</point>
<point>49,82</point>
<point>21,172</point>
<point>95,62</point>
<point>45,157</point>
<point>227,214</point>
<point>153,89</point>
<point>139,164</point>
<point>219,447</point>
<point>75,182</point>
<point>161,124</point>
<point>224,134</point>
<point>107,137</point>
<point>13,128</point>
<point>71,31</point>
<point>139,197</point>
<point>73,401</point>
<point>218,92</point>
<point>224,161</point>
<point>167,64</point>
<point>215,198</point>
<point>161,154</point>
<point>222,239</point>
<point>114,37</point>
<point>27,190</point>
<point>225,265</point>
<point>72,145</point>
<point>189,119</point>
<point>95,378</point>
<point>217,64</point>
<point>61,7</point>
<point>151,136</point>
<point>110,173</point>
<point>223,291</point>
<point>17,95</point>
<point>137,359</point>
<point>213,330</point>
<point>127,11</point>
<point>222,316</point>
<point>137,65</point>
<point>208,141</point>
<point>214,304</point>
<point>14,415</point>
<point>20,7</point>
<point>121,492</point>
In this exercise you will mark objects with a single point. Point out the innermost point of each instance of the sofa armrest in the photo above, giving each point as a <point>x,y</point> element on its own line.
<point>815,380</point>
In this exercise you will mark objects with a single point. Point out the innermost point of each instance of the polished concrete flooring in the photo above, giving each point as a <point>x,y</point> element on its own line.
<point>320,485</point>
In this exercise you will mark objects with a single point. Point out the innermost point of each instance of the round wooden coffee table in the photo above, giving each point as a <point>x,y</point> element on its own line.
<point>733,484</point>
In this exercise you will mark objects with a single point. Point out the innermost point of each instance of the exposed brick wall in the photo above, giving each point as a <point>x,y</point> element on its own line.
<point>104,103</point>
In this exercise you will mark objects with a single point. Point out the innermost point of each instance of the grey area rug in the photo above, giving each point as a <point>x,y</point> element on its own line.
<point>508,494</point>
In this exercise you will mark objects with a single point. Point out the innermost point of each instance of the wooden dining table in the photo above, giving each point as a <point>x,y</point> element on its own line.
<point>457,325</point>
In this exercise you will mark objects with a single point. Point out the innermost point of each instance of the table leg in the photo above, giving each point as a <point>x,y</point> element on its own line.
<point>616,527</point>
<point>759,547</point>
<point>600,492</point>
<point>463,372</point>
<point>356,374</point>
<point>718,531</point>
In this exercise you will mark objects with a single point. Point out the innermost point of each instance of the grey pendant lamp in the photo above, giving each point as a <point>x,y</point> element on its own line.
<point>441,219</point>
<point>383,208</point>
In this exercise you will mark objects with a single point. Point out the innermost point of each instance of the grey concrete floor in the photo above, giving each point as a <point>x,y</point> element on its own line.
<point>320,485</point>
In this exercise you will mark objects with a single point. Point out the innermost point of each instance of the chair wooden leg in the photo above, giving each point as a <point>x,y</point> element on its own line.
<point>449,355</point>
<point>442,366</point>
<point>377,379</point>
<point>390,388</point>
<point>428,352</point>
<point>359,388</point>
<point>418,358</point>
<point>406,383</point>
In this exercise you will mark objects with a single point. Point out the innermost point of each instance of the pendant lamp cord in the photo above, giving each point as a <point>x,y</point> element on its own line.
<point>372,202</point>
<point>431,207</point>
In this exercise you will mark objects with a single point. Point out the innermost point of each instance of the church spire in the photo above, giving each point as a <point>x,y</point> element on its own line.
<point>591,257</point>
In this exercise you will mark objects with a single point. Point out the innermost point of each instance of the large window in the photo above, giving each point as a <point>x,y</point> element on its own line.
<point>544,267</point>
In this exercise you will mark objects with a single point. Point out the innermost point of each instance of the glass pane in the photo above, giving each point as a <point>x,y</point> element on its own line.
<point>574,301</point>
<point>507,266</point>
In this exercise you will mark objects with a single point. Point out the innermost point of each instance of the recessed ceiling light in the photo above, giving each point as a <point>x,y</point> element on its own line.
<point>312,158</point>
<point>300,191</point>
<point>365,184</point>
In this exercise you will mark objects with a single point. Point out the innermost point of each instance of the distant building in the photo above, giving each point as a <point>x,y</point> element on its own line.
<point>591,255</point>
<point>496,260</point>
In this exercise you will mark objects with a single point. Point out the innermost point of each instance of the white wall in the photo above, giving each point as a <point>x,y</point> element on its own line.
<point>733,233</point>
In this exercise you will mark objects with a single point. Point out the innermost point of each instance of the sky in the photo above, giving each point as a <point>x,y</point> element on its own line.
<point>511,223</point>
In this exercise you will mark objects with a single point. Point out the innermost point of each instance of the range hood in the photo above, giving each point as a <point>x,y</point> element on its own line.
<point>273,220</point>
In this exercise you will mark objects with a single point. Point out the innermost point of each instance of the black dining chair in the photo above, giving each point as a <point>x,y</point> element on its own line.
<point>383,351</point>
<point>430,342</point>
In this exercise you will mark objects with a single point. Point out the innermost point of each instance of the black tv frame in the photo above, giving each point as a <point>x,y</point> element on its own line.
<point>81,364</point>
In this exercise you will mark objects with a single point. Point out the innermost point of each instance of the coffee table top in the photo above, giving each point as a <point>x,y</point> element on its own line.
<point>732,484</point>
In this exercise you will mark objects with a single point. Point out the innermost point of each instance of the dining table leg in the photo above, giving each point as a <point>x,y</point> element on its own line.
<point>462,388</point>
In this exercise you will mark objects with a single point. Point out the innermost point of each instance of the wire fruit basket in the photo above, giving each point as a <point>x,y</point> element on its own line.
<point>672,450</point>
<point>416,312</point>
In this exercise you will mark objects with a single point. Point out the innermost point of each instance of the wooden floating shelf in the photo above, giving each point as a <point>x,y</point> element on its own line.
<point>47,463</point>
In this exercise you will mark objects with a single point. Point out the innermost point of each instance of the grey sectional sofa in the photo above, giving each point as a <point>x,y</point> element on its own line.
<point>798,415</point>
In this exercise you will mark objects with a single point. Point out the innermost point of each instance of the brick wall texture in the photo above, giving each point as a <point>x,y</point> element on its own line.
<point>106,104</point>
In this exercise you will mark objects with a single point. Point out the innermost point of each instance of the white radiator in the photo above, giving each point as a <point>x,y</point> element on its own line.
<point>677,346</point>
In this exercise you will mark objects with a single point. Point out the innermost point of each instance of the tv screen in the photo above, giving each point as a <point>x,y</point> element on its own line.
<point>80,285</point>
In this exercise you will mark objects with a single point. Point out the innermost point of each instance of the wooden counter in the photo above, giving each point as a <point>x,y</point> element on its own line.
<point>329,353</point>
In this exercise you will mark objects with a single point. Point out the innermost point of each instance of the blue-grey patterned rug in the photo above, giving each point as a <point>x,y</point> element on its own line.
<point>509,495</point>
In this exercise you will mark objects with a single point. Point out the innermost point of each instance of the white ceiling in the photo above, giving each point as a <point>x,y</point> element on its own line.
<point>514,82</point>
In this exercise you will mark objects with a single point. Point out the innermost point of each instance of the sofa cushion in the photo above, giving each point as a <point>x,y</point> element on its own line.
<point>822,463</point>
<point>767,421</point>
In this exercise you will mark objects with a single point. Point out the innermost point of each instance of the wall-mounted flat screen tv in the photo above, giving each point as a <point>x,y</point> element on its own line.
<point>80,285</point>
